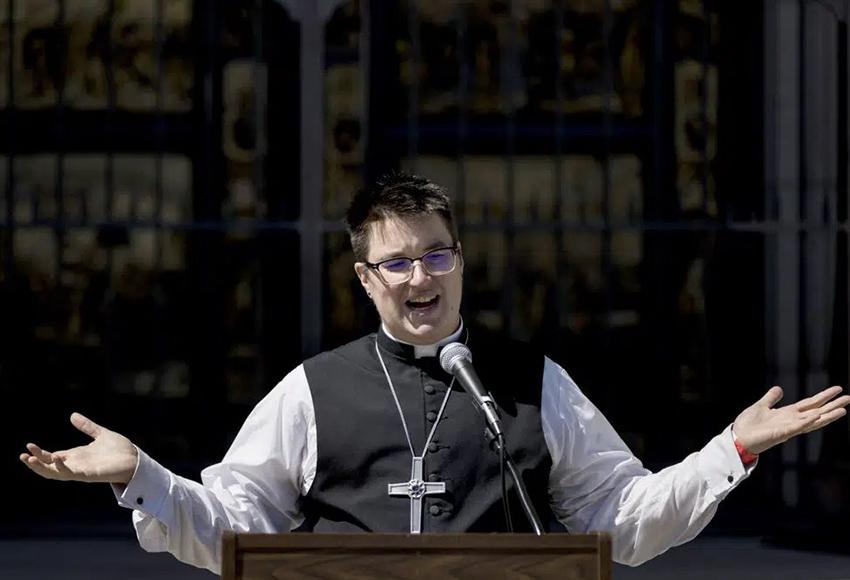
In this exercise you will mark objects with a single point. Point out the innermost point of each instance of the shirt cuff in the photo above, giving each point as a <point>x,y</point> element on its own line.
<point>147,489</point>
<point>721,464</point>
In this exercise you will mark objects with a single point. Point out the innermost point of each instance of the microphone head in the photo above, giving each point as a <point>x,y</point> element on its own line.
<point>451,354</point>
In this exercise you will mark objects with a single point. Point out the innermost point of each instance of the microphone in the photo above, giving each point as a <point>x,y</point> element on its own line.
<point>456,360</point>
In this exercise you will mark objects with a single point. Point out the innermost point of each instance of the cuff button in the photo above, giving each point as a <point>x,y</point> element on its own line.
<point>730,479</point>
<point>140,500</point>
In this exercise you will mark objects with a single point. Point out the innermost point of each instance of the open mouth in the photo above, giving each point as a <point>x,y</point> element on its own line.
<point>422,302</point>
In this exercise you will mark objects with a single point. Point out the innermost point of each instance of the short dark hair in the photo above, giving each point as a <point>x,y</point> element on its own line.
<point>395,194</point>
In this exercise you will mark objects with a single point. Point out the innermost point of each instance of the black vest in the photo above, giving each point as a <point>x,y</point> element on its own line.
<point>362,447</point>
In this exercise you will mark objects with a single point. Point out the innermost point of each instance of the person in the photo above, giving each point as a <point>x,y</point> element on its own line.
<point>375,436</point>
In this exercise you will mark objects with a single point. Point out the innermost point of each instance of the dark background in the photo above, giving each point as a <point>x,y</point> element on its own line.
<point>654,191</point>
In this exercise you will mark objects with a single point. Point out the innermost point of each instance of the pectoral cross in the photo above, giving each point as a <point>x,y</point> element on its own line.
<point>415,489</point>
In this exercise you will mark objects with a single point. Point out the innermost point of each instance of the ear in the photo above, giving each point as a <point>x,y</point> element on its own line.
<point>460,255</point>
<point>362,272</point>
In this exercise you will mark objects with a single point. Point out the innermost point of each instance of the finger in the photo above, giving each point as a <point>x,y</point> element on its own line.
<point>60,466</point>
<point>818,399</point>
<point>771,397</point>
<point>47,456</point>
<point>86,425</point>
<point>826,419</point>
<point>812,414</point>
<point>41,454</point>
<point>835,404</point>
<point>39,467</point>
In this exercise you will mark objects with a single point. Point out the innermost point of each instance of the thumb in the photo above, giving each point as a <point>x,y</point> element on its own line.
<point>772,396</point>
<point>86,425</point>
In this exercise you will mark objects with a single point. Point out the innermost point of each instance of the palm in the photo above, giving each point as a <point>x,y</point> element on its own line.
<point>110,457</point>
<point>761,426</point>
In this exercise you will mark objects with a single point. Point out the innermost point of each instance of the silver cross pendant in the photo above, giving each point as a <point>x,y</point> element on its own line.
<point>416,489</point>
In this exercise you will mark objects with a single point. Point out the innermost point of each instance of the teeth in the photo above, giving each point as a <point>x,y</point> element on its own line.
<point>421,299</point>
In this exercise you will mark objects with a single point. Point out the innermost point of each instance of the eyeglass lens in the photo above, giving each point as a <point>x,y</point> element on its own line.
<point>435,262</point>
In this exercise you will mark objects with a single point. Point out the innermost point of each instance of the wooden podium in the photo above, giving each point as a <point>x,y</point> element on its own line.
<point>403,556</point>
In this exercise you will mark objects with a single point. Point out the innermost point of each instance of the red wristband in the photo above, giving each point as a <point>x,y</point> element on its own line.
<point>744,453</point>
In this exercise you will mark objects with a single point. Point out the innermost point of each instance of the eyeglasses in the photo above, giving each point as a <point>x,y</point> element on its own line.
<point>436,262</point>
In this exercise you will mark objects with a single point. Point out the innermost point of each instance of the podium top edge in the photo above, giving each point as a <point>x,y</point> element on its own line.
<point>431,541</point>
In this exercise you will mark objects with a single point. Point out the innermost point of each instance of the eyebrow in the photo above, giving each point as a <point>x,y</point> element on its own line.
<point>428,248</point>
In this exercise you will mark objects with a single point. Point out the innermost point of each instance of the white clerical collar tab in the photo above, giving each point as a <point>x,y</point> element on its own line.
<point>424,350</point>
<point>421,351</point>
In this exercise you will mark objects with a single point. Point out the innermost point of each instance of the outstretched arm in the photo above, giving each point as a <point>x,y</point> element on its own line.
<point>255,488</point>
<point>597,484</point>
<point>108,458</point>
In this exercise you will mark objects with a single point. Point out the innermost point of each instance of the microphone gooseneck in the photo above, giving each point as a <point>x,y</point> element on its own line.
<point>456,360</point>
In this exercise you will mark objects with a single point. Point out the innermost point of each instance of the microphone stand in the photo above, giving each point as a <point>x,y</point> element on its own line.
<point>498,445</point>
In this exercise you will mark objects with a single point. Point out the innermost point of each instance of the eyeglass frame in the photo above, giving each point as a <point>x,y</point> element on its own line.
<point>455,249</point>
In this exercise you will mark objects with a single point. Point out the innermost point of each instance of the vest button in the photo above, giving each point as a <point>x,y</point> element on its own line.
<point>430,389</point>
<point>431,416</point>
<point>432,447</point>
<point>435,510</point>
<point>434,477</point>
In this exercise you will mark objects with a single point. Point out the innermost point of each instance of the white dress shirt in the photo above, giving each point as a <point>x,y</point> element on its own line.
<point>596,484</point>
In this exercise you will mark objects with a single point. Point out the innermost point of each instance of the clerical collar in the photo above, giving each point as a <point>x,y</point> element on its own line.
<point>408,350</point>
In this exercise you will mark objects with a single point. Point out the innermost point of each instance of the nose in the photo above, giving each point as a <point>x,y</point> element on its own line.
<point>419,274</point>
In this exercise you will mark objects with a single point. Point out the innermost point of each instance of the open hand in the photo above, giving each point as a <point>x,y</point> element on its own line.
<point>110,457</point>
<point>762,426</point>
